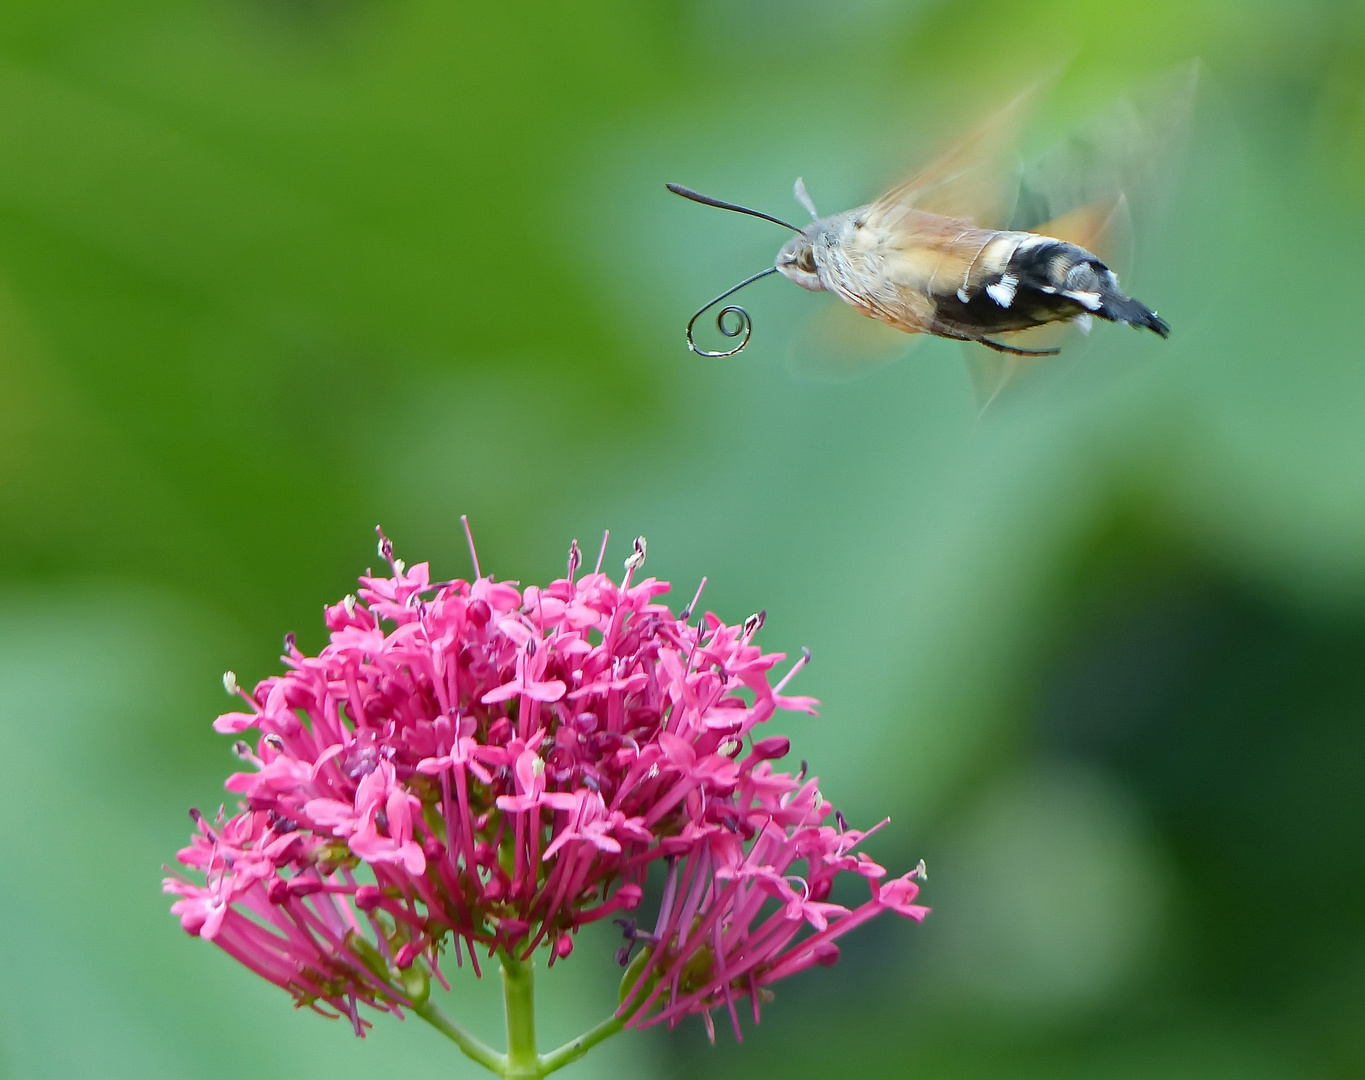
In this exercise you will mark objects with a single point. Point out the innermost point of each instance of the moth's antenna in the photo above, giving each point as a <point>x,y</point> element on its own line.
<point>706,200</point>
<point>803,197</point>
<point>745,325</point>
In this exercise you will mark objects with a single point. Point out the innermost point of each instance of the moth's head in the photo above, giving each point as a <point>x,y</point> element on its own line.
<point>796,261</point>
<point>797,258</point>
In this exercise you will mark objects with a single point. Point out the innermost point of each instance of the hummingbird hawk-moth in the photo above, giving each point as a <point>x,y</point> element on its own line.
<point>966,249</point>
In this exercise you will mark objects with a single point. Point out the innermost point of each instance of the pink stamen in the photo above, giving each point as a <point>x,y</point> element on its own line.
<point>473,555</point>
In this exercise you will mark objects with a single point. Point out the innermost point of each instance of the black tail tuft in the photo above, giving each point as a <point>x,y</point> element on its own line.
<point>1059,280</point>
<point>1119,308</point>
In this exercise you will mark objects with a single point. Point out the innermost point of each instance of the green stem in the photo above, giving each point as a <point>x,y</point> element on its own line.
<point>519,1000</point>
<point>473,1046</point>
<point>521,1062</point>
<point>576,1048</point>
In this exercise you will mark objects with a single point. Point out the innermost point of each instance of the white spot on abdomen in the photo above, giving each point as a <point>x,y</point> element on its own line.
<point>1089,299</point>
<point>1002,291</point>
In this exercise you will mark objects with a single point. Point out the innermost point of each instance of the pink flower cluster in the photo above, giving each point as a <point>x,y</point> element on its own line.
<point>474,768</point>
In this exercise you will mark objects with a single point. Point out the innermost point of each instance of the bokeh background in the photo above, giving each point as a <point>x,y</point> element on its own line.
<point>273,271</point>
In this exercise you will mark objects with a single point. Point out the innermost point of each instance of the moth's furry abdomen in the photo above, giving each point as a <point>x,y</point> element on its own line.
<point>1066,276</point>
<point>1044,280</point>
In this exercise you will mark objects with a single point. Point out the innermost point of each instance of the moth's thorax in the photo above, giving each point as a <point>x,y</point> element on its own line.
<point>808,260</point>
<point>851,256</point>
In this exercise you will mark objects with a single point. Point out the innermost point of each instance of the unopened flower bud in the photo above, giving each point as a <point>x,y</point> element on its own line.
<point>407,954</point>
<point>772,748</point>
<point>368,897</point>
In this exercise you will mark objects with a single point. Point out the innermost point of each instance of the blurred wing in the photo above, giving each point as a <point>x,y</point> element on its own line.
<point>976,179</point>
<point>1104,227</point>
<point>990,372</point>
<point>837,343</point>
<point>1131,150</point>
<point>1090,189</point>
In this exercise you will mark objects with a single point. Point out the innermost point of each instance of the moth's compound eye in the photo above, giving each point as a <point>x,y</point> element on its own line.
<point>806,261</point>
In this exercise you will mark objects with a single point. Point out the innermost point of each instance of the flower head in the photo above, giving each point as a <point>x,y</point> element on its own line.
<point>470,767</point>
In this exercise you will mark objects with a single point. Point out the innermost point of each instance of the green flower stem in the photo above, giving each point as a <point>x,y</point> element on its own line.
<point>519,1001</point>
<point>473,1046</point>
<point>521,1062</point>
<point>576,1048</point>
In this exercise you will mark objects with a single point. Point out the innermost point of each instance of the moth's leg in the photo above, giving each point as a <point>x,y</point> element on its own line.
<point>998,347</point>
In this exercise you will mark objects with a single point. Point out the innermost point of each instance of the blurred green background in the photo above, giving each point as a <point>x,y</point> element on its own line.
<point>272,271</point>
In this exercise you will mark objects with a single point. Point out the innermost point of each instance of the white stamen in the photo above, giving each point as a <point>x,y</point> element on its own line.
<point>728,747</point>
<point>636,558</point>
<point>538,766</point>
<point>230,683</point>
<point>921,871</point>
<point>1002,292</point>
<point>348,602</point>
<point>398,567</point>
